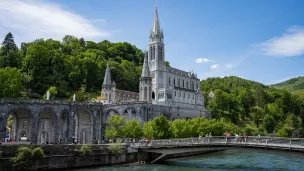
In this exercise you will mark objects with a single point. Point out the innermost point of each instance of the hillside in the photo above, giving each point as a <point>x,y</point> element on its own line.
<point>252,105</point>
<point>294,85</point>
<point>291,85</point>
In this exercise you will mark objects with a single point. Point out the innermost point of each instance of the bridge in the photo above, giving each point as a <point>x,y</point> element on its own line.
<point>174,148</point>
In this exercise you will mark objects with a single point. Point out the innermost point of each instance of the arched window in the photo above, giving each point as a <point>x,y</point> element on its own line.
<point>174,81</point>
<point>169,81</point>
<point>178,82</point>
<point>145,93</point>
<point>175,93</point>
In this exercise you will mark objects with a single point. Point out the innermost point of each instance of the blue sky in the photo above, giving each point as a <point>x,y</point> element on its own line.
<point>254,39</point>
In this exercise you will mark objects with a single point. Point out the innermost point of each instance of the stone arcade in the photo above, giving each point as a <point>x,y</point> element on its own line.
<point>162,90</point>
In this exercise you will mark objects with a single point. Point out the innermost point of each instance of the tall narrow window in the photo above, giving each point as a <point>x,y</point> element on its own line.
<point>174,81</point>
<point>150,93</point>
<point>169,81</point>
<point>183,84</point>
<point>159,53</point>
<point>145,93</point>
<point>150,53</point>
<point>187,84</point>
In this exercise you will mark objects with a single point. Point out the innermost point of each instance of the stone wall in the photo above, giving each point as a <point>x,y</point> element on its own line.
<point>63,156</point>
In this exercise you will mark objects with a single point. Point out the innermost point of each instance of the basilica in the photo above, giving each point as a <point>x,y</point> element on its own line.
<point>159,84</point>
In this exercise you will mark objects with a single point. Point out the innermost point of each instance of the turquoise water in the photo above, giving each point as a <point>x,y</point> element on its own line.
<point>238,159</point>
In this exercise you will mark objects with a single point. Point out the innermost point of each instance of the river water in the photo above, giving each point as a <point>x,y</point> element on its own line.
<point>235,159</point>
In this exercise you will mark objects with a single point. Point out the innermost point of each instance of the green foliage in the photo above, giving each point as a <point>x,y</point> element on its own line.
<point>10,121</point>
<point>53,92</point>
<point>72,64</point>
<point>132,129</point>
<point>116,148</point>
<point>84,150</point>
<point>158,128</point>
<point>9,52</point>
<point>269,123</point>
<point>242,101</point>
<point>26,157</point>
<point>10,83</point>
<point>114,126</point>
<point>167,63</point>
<point>284,132</point>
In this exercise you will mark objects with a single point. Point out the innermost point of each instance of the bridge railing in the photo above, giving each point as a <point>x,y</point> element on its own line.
<point>274,142</point>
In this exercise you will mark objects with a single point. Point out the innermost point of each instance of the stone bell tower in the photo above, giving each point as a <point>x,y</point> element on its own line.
<point>108,87</point>
<point>145,84</point>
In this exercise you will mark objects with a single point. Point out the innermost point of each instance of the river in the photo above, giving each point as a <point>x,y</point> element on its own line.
<point>235,159</point>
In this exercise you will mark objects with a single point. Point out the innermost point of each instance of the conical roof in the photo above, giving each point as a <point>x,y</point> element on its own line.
<point>107,77</point>
<point>145,71</point>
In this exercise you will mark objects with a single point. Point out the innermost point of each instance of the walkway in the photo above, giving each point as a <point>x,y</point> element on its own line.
<point>176,147</point>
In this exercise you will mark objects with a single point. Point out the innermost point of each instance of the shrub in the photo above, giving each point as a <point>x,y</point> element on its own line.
<point>84,150</point>
<point>116,148</point>
<point>26,156</point>
<point>282,133</point>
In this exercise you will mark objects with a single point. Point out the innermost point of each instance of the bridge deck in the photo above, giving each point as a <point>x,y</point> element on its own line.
<point>166,147</point>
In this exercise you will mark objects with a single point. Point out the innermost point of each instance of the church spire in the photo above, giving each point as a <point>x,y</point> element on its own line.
<point>107,77</point>
<point>145,71</point>
<point>156,27</point>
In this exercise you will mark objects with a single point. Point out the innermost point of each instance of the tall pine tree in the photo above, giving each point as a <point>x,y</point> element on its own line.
<point>9,52</point>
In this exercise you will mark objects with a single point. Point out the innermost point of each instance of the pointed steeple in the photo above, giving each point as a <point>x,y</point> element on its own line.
<point>145,71</point>
<point>156,27</point>
<point>107,77</point>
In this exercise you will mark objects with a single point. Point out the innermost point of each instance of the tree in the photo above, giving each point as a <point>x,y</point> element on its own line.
<point>148,130</point>
<point>257,114</point>
<point>10,83</point>
<point>167,63</point>
<point>132,129</point>
<point>114,126</point>
<point>161,127</point>
<point>180,128</point>
<point>9,52</point>
<point>269,123</point>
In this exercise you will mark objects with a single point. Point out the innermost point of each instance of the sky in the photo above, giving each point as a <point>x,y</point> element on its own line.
<point>254,39</point>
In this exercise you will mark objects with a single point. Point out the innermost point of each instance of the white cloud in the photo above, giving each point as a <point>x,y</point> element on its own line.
<point>214,66</point>
<point>203,60</point>
<point>32,19</point>
<point>289,44</point>
<point>228,65</point>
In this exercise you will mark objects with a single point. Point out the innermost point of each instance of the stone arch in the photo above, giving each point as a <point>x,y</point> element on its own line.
<point>109,113</point>
<point>47,124</point>
<point>129,113</point>
<point>84,121</point>
<point>22,121</point>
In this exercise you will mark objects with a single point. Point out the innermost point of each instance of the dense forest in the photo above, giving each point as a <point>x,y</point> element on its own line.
<point>69,66</point>
<point>252,105</point>
<point>77,66</point>
<point>294,85</point>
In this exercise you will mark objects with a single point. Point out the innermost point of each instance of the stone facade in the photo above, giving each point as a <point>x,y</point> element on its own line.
<point>162,90</point>
<point>160,84</point>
